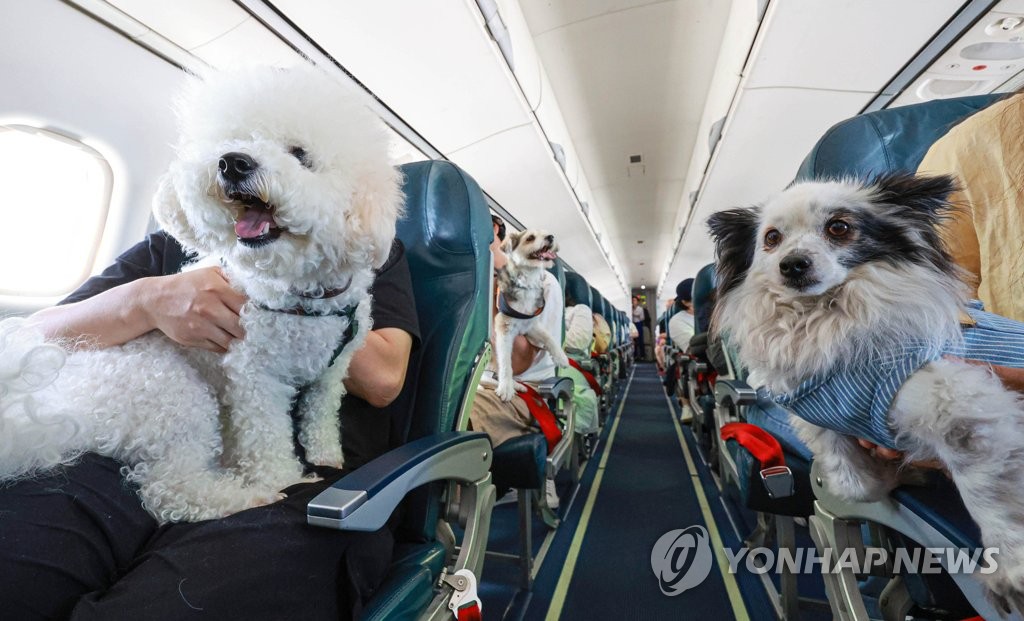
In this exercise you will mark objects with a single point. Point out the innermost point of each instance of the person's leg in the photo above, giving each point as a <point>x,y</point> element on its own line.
<point>264,563</point>
<point>499,419</point>
<point>642,352</point>
<point>66,534</point>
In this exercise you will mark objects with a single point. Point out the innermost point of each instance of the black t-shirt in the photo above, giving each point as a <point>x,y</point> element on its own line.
<point>365,429</point>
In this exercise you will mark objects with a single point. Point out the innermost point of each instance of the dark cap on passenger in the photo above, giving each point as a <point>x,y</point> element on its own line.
<point>684,290</point>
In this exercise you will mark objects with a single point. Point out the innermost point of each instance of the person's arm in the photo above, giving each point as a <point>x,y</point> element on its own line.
<point>376,373</point>
<point>523,355</point>
<point>196,309</point>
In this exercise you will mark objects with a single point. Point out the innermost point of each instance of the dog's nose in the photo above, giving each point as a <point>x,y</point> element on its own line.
<point>794,265</point>
<point>549,238</point>
<point>236,166</point>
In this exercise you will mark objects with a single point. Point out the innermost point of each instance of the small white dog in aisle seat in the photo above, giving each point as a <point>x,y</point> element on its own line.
<point>521,301</point>
<point>283,179</point>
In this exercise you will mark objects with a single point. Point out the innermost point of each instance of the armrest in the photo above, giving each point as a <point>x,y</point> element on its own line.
<point>365,499</point>
<point>560,388</point>
<point>583,358</point>
<point>735,391</point>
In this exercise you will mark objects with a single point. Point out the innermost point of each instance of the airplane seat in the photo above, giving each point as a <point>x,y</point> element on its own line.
<point>600,354</point>
<point>446,232</point>
<point>696,368</point>
<point>933,516</point>
<point>577,293</point>
<point>625,343</point>
<point>613,352</point>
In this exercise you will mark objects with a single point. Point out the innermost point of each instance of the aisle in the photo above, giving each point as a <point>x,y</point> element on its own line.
<point>642,489</point>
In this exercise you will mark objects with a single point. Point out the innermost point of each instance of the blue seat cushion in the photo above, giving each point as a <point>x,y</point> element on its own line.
<point>938,503</point>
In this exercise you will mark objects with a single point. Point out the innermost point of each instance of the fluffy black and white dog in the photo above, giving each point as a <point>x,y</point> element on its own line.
<point>844,305</point>
<point>521,301</point>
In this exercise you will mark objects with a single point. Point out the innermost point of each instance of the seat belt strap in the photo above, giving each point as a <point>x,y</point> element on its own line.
<point>587,375</point>
<point>543,415</point>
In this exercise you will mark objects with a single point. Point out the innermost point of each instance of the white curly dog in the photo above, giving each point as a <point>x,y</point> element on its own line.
<point>283,179</point>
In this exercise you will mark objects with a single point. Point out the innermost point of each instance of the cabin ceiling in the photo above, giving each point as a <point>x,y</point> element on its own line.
<point>631,78</point>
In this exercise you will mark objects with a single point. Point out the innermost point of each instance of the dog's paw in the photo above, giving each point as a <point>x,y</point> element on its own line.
<point>856,486</point>
<point>265,498</point>
<point>505,391</point>
<point>1004,593</point>
<point>560,359</point>
<point>326,456</point>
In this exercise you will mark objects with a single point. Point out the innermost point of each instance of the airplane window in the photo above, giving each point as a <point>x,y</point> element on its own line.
<point>56,193</point>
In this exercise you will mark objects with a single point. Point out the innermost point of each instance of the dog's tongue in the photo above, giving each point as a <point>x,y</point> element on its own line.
<point>254,223</point>
<point>548,254</point>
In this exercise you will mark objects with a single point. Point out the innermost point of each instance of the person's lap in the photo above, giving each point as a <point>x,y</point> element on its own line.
<point>78,543</point>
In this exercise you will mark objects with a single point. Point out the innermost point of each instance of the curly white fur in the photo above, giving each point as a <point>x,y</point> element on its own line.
<point>955,412</point>
<point>205,435</point>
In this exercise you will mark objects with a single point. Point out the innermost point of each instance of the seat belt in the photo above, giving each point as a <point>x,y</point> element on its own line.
<point>543,415</point>
<point>587,375</point>
<point>776,476</point>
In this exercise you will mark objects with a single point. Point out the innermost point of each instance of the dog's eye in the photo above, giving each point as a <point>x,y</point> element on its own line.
<point>531,238</point>
<point>772,238</point>
<point>838,229</point>
<point>300,154</point>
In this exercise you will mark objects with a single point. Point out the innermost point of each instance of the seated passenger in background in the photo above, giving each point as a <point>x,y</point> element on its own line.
<point>659,351</point>
<point>680,330</point>
<point>680,326</point>
<point>602,334</point>
<point>78,543</point>
<point>579,335</point>
<point>503,420</point>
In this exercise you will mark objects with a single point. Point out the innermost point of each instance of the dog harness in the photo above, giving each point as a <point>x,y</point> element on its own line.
<point>856,401</point>
<point>508,311</point>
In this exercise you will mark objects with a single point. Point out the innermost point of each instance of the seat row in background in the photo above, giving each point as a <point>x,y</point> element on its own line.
<point>440,477</point>
<point>525,464</point>
<point>762,464</point>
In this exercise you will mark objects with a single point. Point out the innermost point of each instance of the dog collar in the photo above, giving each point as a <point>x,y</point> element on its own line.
<point>508,311</point>
<point>348,311</point>
<point>328,293</point>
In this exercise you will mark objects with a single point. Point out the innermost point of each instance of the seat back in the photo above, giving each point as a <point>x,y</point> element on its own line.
<point>577,289</point>
<point>703,298</point>
<point>446,231</point>
<point>887,140</point>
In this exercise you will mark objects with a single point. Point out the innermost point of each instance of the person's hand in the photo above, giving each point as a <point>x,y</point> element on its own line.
<point>888,454</point>
<point>196,309</point>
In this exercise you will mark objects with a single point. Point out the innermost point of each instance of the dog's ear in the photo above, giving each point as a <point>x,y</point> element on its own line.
<point>377,204</point>
<point>920,203</point>
<point>511,241</point>
<point>925,198</point>
<point>734,232</point>
<point>171,217</point>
